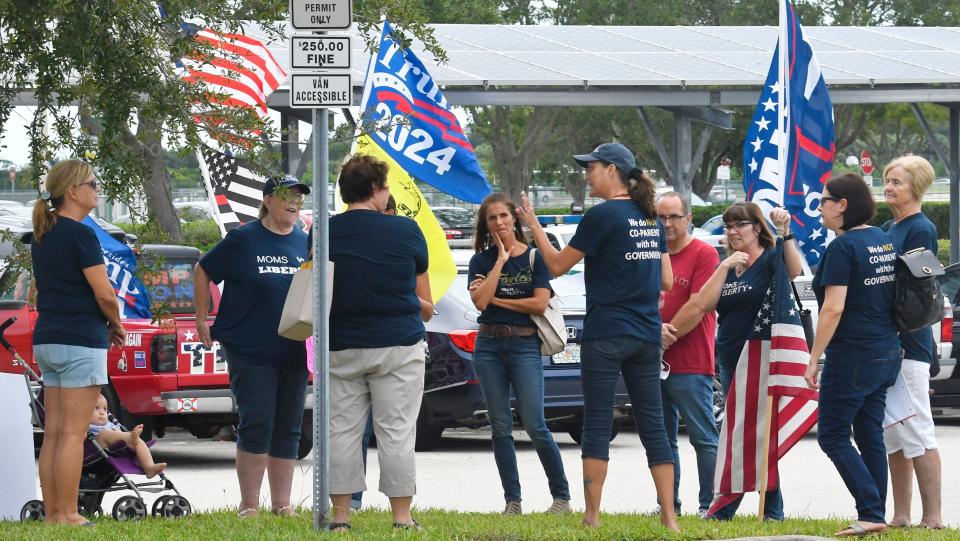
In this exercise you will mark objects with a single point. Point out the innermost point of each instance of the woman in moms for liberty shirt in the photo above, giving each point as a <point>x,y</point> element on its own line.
<point>268,373</point>
<point>626,266</point>
<point>507,290</point>
<point>854,285</point>
<point>737,290</point>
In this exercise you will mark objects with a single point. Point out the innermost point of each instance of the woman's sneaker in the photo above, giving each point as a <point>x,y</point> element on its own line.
<point>559,507</point>
<point>512,508</point>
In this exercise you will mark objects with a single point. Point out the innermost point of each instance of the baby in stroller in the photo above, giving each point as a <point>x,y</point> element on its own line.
<point>107,434</point>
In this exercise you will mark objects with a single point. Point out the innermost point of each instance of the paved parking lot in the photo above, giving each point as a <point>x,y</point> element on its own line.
<point>461,475</point>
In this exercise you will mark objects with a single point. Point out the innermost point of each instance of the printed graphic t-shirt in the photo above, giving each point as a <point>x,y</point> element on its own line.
<point>623,248</point>
<point>915,231</point>
<point>863,260</point>
<point>517,281</point>
<point>377,258</point>
<point>256,266</point>
<point>692,267</point>
<point>68,312</point>
<point>739,303</point>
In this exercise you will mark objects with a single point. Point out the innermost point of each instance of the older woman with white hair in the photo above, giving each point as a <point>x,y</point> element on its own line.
<point>912,445</point>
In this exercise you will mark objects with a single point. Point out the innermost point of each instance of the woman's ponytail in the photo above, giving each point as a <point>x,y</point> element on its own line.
<point>642,191</point>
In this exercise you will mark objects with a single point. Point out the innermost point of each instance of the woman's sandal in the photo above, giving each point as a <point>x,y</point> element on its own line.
<point>856,530</point>
<point>249,512</point>
<point>284,511</point>
<point>339,527</point>
<point>413,525</point>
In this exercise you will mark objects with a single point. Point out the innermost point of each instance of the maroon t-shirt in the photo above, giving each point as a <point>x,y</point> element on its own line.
<point>692,267</point>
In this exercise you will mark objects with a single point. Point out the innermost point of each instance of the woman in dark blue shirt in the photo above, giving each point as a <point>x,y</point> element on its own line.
<point>854,285</point>
<point>506,289</point>
<point>381,297</point>
<point>626,267</point>
<point>78,319</point>
<point>268,374</point>
<point>737,290</point>
<point>912,444</point>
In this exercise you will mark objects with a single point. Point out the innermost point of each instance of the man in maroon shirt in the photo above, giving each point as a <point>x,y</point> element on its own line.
<point>688,341</point>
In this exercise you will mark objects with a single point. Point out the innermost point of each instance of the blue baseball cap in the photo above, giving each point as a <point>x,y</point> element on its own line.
<point>614,153</point>
<point>288,181</point>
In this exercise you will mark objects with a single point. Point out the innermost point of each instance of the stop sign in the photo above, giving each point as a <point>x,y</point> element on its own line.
<point>866,162</point>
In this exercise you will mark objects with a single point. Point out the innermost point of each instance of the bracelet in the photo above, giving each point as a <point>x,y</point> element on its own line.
<point>788,237</point>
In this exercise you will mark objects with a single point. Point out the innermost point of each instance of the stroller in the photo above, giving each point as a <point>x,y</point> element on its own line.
<point>104,469</point>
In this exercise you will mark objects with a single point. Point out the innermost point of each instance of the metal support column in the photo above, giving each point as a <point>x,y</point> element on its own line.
<point>321,324</point>
<point>954,183</point>
<point>682,151</point>
<point>291,151</point>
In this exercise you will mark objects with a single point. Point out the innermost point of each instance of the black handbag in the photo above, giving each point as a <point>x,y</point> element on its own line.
<point>806,318</point>
<point>919,298</point>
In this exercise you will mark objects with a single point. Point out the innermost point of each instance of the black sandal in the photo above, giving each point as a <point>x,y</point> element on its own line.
<point>338,527</point>
<point>415,526</point>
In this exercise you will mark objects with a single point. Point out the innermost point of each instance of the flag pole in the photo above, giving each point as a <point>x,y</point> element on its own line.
<point>765,462</point>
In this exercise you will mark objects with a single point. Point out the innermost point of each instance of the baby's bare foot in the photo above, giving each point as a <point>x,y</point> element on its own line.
<point>133,440</point>
<point>152,471</point>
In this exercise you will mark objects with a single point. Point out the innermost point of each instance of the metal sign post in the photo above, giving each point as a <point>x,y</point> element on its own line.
<point>319,88</point>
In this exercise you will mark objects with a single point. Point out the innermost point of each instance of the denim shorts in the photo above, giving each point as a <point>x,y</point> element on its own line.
<point>63,365</point>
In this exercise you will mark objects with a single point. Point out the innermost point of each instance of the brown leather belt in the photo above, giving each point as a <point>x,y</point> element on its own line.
<point>506,331</point>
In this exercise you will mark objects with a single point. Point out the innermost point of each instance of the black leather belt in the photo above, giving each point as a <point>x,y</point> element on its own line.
<point>506,331</point>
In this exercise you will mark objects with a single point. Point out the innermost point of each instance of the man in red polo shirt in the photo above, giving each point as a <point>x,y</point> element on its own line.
<point>688,342</point>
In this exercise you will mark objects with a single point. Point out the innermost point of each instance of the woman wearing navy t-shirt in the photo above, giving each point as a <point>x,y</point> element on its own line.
<point>506,289</point>
<point>268,374</point>
<point>381,297</point>
<point>77,321</point>
<point>854,285</point>
<point>626,267</point>
<point>912,443</point>
<point>737,290</point>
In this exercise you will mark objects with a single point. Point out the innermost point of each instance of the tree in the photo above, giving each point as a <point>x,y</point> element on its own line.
<point>103,75</point>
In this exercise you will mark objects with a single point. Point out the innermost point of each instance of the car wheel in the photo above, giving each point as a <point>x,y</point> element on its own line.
<point>576,430</point>
<point>306,435</point>
<point>124,417</point>
<point>428,437</point>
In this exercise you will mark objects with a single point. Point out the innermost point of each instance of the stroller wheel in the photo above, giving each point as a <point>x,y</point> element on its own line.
<point>129,508</point>
<point>32,510</point>
<point>172,507</point>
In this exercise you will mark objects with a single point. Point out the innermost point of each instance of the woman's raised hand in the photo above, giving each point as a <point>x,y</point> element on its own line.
<point>525,210</point>
<point>781,219</point>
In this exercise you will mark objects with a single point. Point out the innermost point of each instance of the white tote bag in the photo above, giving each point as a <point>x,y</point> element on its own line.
<point>296,320</point>
<point>550,325</point>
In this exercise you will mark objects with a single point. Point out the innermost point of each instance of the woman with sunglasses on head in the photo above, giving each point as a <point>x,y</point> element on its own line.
<point>626,267</point>
<point>737,290</point>
<point>855,288</point>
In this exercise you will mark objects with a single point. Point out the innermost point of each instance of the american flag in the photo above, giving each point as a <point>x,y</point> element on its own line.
<point>237,191</point>
<point>772,363</point>
<point>238,71</point>
<point>794,177</point>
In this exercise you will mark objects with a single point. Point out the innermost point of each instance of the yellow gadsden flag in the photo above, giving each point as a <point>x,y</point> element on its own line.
<point>411,203</point>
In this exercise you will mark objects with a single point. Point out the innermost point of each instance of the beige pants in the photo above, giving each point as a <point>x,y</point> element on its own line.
<point>391,381</point>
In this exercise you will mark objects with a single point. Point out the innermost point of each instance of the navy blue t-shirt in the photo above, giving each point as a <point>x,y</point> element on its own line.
<point>863,260</point>
<point>623,248</point>
<point>517,281</point>
<point>915,231</point>
<point>739,304</point>
<point>256,266</point>
<point>68,312</point>
<point>377,258</point>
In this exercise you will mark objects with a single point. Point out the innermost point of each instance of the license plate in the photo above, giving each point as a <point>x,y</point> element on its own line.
<point>569,355</point>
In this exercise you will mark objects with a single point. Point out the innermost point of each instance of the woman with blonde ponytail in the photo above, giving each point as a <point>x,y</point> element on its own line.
<point>78,319</point>
<point>626,267</point>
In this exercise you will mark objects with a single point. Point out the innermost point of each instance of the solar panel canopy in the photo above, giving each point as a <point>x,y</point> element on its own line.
<point>666,56</point>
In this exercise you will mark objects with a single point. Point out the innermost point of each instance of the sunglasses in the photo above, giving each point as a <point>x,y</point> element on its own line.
<point>830,198</point>
<point>92,183</point>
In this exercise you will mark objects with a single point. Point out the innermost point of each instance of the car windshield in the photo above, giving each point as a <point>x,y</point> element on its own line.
<point>172,284</point>
<point>460,218</point>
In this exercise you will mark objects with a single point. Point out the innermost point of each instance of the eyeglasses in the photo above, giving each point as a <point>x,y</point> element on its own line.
<point>737,225</point>
<point>673,219</point>
<point>92,183</point>
<point>830,198</point>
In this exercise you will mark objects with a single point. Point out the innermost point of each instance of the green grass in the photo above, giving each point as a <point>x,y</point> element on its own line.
<point>443,525</point>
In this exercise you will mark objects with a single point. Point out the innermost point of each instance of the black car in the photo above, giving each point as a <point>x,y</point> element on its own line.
<point>452,395</point>
<point>457,223</point>
<point>945,387</point>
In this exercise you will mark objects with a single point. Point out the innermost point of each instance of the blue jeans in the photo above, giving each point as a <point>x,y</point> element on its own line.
<point>604,360</point>
<point>853,393</point>
<point>515,361</point>
<point>356,500</point>
<point>691,396</point>
<point>773,501</point>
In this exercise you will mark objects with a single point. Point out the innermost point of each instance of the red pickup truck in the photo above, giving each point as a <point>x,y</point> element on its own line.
<point>163,376</point>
